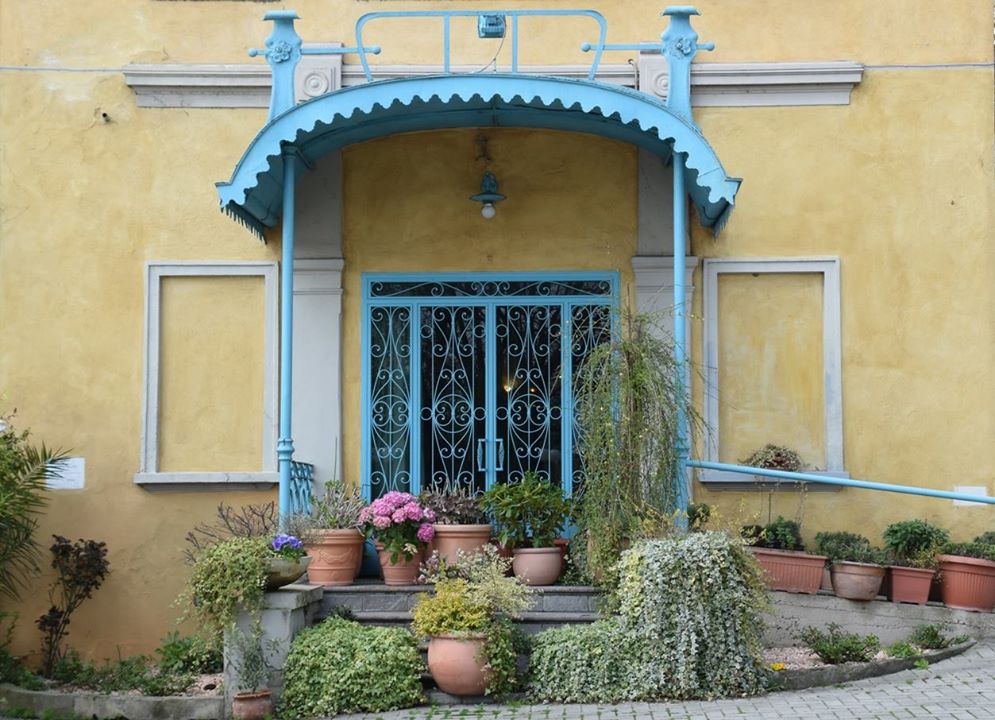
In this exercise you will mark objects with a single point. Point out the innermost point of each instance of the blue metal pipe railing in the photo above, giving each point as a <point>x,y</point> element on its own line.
<point>447,15</point>
<point>843,482</point>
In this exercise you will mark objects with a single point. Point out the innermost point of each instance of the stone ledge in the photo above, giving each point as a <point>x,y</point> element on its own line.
<point>51,703</point>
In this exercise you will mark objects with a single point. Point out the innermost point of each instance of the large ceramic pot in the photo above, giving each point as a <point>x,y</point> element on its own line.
<point>857,581</point>
<point>457,664</point>
<point>968,583</point>
<point>468,538</point>
<point>790,570</point>
<point>335,556</point>
<point>281,571</point>
<point>402,572</point>
<point>537,566</point>
<point>910,585</point>
<point>252,706</point>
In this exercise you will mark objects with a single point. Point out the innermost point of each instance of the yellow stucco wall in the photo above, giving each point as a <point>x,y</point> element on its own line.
<point>211,380</point>
<point>898,184</point>
<point>771,366</point>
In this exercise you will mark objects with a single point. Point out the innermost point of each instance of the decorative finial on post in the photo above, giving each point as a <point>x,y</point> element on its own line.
<point>283,52</point>
<point>680,43</point>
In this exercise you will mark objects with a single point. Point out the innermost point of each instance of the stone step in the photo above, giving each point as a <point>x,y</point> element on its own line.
<point>379,604</point>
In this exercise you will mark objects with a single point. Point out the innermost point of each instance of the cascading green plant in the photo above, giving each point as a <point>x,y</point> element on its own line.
<point>688,627</point>
<point>628,397</point>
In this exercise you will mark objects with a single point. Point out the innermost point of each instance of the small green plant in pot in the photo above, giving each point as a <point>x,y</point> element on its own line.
<point>252,699</point>
<point>967,574</point>
<point>472,648</point>
<point>912,546</point>
<point>857,568</point>
<point>781,555</point>
<point>529,515</point>
<point>461,525</point>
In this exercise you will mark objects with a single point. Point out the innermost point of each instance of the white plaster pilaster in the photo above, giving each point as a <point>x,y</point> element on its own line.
<point>317,374</point>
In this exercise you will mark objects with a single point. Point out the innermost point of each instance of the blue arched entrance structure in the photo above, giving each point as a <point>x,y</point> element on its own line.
<point>260,193</point>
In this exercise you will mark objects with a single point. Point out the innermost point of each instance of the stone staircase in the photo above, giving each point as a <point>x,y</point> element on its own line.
<point>373,603</point>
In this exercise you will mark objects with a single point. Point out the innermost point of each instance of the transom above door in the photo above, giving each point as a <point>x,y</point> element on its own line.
<point>468,378</point>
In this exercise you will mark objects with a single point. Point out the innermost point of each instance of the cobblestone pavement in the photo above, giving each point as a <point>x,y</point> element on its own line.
<point>961,688</point>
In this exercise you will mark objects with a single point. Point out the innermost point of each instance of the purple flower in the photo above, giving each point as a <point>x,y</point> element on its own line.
<point>429,515</point>
<point>426,532</point>
<point>399,516</point>
<point>412,511</point>
<point>380,522</point>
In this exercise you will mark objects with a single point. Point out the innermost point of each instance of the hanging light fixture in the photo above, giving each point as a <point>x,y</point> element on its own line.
<point>488,195</point>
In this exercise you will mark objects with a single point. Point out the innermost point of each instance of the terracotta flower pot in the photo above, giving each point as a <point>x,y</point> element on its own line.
<point>457,664</point>
<point>281,571</point>
<point>537,566</point>
<point>335,556</point>
<point>968,583</point>
<point>790,570</point>
<point>856,581</point>
<point>468,538</point>
<point>910,585</point>
<point>403,572</point>
<point>252,706</point>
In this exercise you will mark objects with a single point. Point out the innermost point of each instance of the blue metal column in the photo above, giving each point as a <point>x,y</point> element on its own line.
<point>680,331</point>
<point>285,445</point>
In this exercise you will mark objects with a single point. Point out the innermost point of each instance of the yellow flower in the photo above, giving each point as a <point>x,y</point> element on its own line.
<point>778,666</point>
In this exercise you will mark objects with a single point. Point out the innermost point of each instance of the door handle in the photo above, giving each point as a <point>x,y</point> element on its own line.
<point>480,455</point>
<point>500,454</point>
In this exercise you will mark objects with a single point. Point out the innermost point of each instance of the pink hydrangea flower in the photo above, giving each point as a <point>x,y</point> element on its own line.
<point>380,522</point>
<point>412,511</point>
<point>426,532</point>
<point>399,516</point>
<point>429,515</point>
<point>364,515</point>
<point>381,507</point>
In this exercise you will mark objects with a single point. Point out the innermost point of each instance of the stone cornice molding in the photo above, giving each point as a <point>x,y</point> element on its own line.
<point>713,84</point>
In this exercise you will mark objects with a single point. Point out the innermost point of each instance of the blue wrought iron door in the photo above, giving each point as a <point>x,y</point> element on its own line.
<point>467,380</point>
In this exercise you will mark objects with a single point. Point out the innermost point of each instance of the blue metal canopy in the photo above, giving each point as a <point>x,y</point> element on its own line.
<point>352,115</point>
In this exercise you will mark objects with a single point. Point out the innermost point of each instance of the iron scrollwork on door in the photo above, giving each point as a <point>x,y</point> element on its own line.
<point>468,380</point>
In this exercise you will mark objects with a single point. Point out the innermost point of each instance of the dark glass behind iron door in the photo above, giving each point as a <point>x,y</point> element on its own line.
<point>529,407</point>
<point>451,411</point>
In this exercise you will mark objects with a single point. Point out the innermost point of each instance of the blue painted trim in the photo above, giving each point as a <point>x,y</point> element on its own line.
<point>843,482</point>
<point>414,398</point>
<point>285,444</point>
<point>364,444</point>
<point>680,332</point>
<point>360,113</point>
<point>490,394</point>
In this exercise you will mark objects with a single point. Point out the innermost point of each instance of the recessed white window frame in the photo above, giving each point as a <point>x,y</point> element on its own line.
<point>149,475</point>
<point>829,269</point>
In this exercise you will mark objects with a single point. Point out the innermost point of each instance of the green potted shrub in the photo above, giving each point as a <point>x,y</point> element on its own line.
<point>781,555</point>
<point>967,574</point>
<point>233,574</point>
<point>857,569</point>
<point>252,699</point>
<point>468,620</point>
<point>460,522</point>
<point>912,546</point>
<point>332,536</point>
<point>529,515</point>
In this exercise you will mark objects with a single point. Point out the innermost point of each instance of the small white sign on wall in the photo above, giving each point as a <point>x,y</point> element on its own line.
<point>979,490</point>
<point>69,476</point>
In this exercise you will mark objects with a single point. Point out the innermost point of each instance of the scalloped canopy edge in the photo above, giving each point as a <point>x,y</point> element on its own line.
<point>254,195</point>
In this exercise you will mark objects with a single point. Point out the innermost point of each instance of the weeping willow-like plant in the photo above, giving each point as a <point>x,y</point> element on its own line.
<point>627,395</point>
<point>24,470</point>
